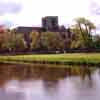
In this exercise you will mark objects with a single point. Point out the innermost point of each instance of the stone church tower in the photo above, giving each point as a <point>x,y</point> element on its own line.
<point>50,23</point>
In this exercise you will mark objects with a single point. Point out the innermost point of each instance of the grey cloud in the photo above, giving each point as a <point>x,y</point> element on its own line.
<point>9,7</point>
<point>95,8</point>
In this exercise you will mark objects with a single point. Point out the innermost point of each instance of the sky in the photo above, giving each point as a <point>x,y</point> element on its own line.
<point>29,12</point>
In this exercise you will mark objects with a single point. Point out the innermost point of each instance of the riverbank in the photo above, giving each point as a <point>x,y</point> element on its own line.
<point>66,59</point>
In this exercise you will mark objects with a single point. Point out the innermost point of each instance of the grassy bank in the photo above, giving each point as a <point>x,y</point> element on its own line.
<point>76,58</point>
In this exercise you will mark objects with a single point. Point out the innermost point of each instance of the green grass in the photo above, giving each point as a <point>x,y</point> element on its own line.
<point>75,58</point>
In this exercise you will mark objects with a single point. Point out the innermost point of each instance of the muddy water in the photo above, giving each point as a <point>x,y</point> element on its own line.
<point>43,82</point>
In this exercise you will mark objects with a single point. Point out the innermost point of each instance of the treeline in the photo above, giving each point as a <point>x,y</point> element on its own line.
<point>78,36</point>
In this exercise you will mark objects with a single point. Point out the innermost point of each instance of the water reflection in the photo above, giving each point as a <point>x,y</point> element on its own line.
<point>51,87</point>
<point>42,82</point>
<point>86,72</point>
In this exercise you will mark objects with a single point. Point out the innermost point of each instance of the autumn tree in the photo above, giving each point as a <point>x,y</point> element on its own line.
<point>35,38</point>
<point>14,42</point>
<point>52,41</point>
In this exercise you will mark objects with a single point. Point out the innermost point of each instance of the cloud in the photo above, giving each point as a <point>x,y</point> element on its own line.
<point>95,8</point>
<point>9,7</point>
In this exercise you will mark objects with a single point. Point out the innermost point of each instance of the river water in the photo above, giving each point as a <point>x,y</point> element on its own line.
<point>39,82</point>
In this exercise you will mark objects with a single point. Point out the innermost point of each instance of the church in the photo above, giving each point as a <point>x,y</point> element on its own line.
<point>49,23</point>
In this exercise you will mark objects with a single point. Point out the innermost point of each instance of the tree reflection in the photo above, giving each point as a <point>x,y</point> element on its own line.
<point>51,86</point>
<point>85,72</point>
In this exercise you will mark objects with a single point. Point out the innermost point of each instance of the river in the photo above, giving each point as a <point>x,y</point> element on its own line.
<point>39,82</point>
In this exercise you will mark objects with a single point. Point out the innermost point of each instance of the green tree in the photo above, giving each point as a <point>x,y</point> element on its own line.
<point>77,41</point>
<point>96,40</point>
<point>85,27</point>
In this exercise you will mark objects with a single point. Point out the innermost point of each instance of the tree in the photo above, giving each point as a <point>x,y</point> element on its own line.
<point>14,42</point>
<point>52,41</point>
<point>3,38</point>
<point>85,27</point>
<point>96,40</point>
<point>35,38</point>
